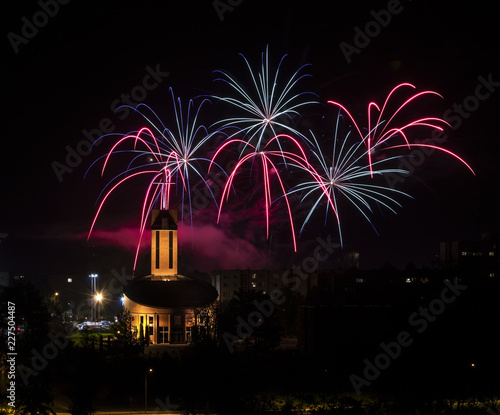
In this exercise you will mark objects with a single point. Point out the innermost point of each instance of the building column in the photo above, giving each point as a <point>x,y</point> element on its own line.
<point>169,319</point>
<point>155,328</point>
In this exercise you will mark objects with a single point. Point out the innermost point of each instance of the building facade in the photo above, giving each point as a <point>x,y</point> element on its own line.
<point>164,305</point>
<point>480,257</point>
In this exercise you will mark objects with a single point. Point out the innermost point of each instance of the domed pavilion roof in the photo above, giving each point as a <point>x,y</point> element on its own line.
<point>171,292</point>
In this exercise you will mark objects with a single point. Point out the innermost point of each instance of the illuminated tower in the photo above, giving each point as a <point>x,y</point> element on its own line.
<point>163,304</point>
<point>163,243</point>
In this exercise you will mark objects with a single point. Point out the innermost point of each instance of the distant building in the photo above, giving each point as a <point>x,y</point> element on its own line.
<point>229,281</point>
<point>163,305</point>
<point>360,304</point>
<point>479,257</point>
<point>297,280</point>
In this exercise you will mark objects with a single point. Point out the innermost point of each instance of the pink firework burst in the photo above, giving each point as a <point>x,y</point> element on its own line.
<point>382,125</point>
<point>269,160</point>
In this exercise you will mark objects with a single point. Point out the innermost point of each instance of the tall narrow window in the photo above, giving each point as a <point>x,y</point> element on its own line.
<point>170,249</point>
<point>157,249</point>
<point>159,334</point>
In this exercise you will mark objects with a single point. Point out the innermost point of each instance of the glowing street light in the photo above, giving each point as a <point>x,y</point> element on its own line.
<point>93,287</point>
<point>98,298</point>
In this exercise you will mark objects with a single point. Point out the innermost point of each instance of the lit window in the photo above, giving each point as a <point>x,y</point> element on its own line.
<point>491,253</point>
<point>170,249</point>
<point>157,252</point>
<point>464,253</point>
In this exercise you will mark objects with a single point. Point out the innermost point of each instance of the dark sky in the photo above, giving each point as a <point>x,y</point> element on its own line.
<point>63,78</point>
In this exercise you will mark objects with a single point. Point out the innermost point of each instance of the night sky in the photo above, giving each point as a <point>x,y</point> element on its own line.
<point>65,77</point>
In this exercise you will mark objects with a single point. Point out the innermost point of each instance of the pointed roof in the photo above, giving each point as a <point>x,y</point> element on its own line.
<point>163,220</point>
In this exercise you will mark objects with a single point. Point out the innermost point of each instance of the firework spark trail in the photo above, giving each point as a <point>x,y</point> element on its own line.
<point>185,143</point>
<point>439,149</point>
<point>382,131</point>
<point>265,156</point>
<point>344,176</point>
<point>170,154</point>
<point>269,107</point>
<point>158,188</point>
<point>170,157</point>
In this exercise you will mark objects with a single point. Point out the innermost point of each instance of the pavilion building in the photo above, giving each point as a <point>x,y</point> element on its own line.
<point>163,305</point>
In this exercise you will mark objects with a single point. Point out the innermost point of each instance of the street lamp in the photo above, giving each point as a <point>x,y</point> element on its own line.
<point>93,286</point>
<point>98,298</point>
<point>146,388</point>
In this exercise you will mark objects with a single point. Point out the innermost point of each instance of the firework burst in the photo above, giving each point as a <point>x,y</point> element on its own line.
<point>270,160</point>
<point>381,130</point>
<point>345,175</point>
<point>342,171</point>
<point>169,157</point>
<point>268,107</point>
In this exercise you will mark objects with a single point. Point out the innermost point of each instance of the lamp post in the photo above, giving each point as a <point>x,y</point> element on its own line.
<point>98,299</point>
<point>93,284</point>
<point>56,294</point>
<point>146,389</point>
